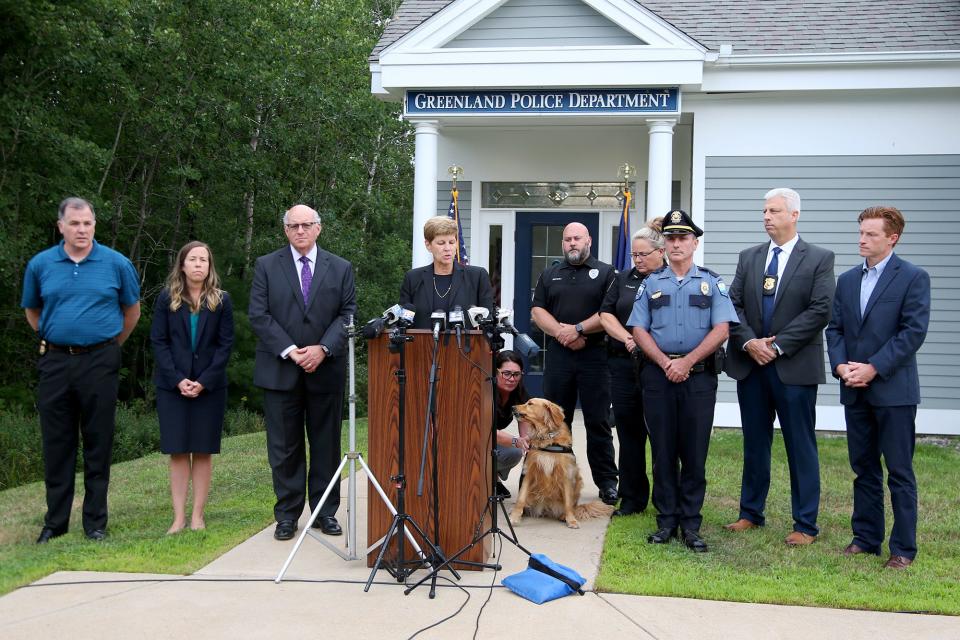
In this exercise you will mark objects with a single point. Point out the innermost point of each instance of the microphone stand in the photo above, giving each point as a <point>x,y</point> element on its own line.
<point>495,503</point>
<point>354,457</point>
<point>430,429</point>
<point>401,569</point>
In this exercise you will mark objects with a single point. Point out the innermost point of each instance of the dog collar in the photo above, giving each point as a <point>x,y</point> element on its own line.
<point>547,436</point>
<point>554,448</point>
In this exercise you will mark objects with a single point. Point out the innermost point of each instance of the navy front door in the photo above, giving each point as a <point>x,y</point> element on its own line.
<point>539,244</point>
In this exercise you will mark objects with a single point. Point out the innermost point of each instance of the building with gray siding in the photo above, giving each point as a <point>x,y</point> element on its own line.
<point>541,101</point>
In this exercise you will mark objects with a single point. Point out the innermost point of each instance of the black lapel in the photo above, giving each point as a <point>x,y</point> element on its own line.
<point>793,262</point>
<point>759,258</point>
<point>289,269</point>
<point>319,272</point>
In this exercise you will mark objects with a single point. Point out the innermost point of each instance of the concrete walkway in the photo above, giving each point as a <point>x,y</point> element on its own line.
<point>235,597</point>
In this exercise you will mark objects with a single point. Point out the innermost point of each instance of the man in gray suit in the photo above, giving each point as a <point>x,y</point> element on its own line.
<point>782,291</point>
<point>299,307</point>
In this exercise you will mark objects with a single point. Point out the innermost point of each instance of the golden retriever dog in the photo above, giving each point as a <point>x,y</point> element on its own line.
<point>551,482</point>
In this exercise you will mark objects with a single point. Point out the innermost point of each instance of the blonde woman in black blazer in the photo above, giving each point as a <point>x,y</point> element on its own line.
<point>445,284</point>
<point>192,336</point>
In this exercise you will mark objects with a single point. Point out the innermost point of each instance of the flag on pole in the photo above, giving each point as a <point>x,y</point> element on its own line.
<point>623,262</point>
<point>454,214</point>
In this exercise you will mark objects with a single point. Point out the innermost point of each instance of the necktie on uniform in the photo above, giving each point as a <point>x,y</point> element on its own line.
<point>768,301</point>
<point>306,277</point>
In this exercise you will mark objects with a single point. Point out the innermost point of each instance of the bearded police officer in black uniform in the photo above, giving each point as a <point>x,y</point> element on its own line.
<point>680,320</point>
<point>566,307</point>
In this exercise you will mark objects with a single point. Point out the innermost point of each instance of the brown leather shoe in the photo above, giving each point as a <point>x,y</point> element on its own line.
<point>898,562</point>
<point>799,539</point>
<point>741,525</point>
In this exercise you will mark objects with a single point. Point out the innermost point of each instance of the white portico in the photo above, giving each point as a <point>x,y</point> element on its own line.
<point>533,99</point>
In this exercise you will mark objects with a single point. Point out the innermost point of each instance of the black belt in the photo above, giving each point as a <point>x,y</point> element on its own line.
<point>699,367</point>
<point>75,350</point>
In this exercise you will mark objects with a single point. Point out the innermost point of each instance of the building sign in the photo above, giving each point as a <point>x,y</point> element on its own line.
<point>661,100</point>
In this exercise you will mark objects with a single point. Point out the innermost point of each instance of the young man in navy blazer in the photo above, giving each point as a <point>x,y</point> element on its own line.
<point>300,303</point>
<point>880,317</point>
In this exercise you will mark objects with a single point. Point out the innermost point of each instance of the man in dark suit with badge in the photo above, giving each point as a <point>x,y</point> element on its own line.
<point>880,318</point>
<point>300,304</point>
<point>782,292</point>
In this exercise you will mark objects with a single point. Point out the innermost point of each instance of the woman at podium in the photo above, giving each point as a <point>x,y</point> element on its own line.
<point>445,284</point>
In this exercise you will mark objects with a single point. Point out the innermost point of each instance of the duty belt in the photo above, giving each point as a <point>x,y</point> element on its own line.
<point>74,350</point>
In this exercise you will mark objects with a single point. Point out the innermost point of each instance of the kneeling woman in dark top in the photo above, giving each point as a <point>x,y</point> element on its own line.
<point>192,336</point>
<point>444,284</point>
<point>510,392</point>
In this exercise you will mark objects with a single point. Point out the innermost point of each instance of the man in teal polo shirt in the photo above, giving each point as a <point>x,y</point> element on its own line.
<point>83,300</point>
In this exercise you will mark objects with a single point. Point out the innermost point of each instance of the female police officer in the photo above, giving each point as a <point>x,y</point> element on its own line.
<point>680,319</point>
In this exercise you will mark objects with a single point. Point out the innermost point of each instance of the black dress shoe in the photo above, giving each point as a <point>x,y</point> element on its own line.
<point>328,525</point>
<point>285,530</point>
<point>502,491</point>
<point>693,541</point>
<point>608,495</point>
<point>47,534</point>
<point>662,536</point>
<point>97,535</point>
<point>628,509</point>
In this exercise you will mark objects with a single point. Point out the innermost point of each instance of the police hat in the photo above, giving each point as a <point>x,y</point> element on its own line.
<point>678,223</point>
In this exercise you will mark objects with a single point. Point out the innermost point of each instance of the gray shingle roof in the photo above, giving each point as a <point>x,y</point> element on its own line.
<point>775,26</point>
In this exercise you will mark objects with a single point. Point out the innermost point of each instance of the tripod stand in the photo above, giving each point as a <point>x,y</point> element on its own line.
<point>354,457</point>
<point>494,504</point>
<point>402,568</point>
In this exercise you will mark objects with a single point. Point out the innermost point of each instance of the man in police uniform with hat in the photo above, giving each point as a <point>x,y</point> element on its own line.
<point>566,307</point>
<point>680,320</point>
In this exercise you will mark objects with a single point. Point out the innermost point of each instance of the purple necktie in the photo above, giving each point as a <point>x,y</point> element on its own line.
<point>306,277</point>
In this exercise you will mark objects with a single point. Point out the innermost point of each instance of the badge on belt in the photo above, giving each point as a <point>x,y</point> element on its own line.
<point>43,347</point>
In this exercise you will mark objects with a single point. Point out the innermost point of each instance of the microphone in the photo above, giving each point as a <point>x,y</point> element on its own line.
<point>477,316</point>
<point>456,321</point>
<point>407,314</point>
<point>503,319</point>
<point>376,326</point>
<point>438,318</point>
<point>392,314</point>
<point>523,344</point>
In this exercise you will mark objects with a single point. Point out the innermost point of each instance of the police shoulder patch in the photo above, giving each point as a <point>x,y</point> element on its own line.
<point>722,288</point>
<point>640,290</point>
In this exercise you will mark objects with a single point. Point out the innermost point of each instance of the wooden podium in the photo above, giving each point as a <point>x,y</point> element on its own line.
<point>464,402</point>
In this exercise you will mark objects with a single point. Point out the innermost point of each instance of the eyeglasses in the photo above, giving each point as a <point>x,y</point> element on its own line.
<point>640,254</point>
<point>306,226</point>
<point>511,375</point>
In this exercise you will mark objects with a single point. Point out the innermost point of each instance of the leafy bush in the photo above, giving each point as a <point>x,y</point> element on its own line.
<point>137,434</point>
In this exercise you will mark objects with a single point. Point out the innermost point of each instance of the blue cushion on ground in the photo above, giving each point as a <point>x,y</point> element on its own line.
<point>540,587</point>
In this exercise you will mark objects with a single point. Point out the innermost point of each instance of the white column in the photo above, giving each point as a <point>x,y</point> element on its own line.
<point>660,167</point>
<point>424,185</point>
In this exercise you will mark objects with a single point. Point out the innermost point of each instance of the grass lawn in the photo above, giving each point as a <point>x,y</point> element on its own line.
<point>240,504</point>
<point>756,566</point>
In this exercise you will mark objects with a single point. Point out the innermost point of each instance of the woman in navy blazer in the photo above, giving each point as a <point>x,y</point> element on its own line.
<point>445,284</point>
<point>192,336</point>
